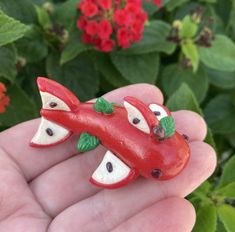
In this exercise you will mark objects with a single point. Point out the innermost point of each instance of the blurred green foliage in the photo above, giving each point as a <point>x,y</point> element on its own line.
<point>187,50</point>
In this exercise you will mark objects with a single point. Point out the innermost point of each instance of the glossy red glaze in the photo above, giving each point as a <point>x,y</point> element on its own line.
<point>137,149</point>
<point>140,151</point>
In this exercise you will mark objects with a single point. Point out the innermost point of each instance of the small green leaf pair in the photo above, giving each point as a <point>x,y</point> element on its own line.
<point>87,142</point>
<point>168,125</point>
<point>103,106</point>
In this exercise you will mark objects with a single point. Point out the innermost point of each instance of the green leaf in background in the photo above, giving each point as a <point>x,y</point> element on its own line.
<point>219,114</point>
<point>227,191</point>
<point>221,79</point>
<point>103,106</point>
<point>43,17</point>
<point>8,62</point>
<point>227,215</point>
<point>210,138</point>
<point>191,52</point>
<point>108,70</point>
<point>10,29</point>
<point>183,98</point>
<point>228,175</point>
<point>221,56</point>
<point>150,7</point>
<point>65,13</point>
<point>189,28</point>
<point>173,76</point>
<point>154,40</point>
<point>21,107</point>
<point>174,4</point>
<point>79,75</point>
<point>186,9</point>
<point>137,68</point>
<point>168,124</point>
<point>206,219</point>
<point>23,10</point>
<point>27,79</point>
<point>32,47</point>
<point>87,142</point>
<point>73,47</point>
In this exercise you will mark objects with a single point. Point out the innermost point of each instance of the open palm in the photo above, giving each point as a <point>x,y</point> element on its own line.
<point>47,189</point>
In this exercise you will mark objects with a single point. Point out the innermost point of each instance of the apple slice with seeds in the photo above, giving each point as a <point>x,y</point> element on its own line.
<point>112,172</point>
<point>49,133</point>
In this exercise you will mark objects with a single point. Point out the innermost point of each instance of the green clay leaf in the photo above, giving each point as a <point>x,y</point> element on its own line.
<point>168,124</point>
<point>87,142</point>
<point>103,106</point>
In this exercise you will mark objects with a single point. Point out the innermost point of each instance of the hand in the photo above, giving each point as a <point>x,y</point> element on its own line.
<point>47,189</point>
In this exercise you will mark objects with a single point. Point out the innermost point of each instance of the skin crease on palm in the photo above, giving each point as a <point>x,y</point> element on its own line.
<point>48,189</point>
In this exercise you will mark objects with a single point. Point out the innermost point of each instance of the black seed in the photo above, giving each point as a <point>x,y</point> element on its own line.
<point>156,173</point>
<point>109,166</point>
<point>157,113</point>
<point>53,104</point>
<point>49,131</point>
<point>135,121</point>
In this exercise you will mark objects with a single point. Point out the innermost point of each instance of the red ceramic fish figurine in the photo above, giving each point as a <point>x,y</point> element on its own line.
<point>141,139</point>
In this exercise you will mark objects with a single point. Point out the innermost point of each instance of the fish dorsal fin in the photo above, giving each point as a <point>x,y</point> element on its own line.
<point>160,111</point>
<point>55,96</point>
<point>139,115</point>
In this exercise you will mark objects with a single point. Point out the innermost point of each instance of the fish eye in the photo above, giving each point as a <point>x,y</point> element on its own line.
<point>156,173</point>
<point>159,111</point>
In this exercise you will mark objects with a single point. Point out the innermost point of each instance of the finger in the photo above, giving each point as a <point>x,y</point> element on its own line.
<point>191,124</point>
<point>35,161</point>
<point>47,187</point>
<point>19,210</point>
<point>173,214</point>
<point>72,175</point>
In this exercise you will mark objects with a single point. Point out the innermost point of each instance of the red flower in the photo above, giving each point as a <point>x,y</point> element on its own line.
<point>2,90</point>
<point>107,24</point>
<point>86,39</point>
<point>138,26</point>
<point>107,45</point>
<point>136,36</point>
<point>132,9</point>
<point>158,2</point>
<point>121,17</point>
<point>91,27</point>
<point>142,16</point>
<point>105,4</point>
<point>105,29</point>
<point>123,37</point>
<point>4,100</point>
<point>81,23</point>
<point>89,9</point>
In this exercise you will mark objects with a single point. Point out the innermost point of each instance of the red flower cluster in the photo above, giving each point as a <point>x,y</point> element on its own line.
<point>4,100</point>
<point>110,23</point>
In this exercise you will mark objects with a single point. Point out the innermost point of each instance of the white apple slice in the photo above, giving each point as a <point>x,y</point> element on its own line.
<point>52,102</point>
<point>159,111</point>
<point>112,172</point>
<point>49,133</point>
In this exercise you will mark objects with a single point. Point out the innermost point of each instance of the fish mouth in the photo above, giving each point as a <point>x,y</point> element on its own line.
<point>49,133</point>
